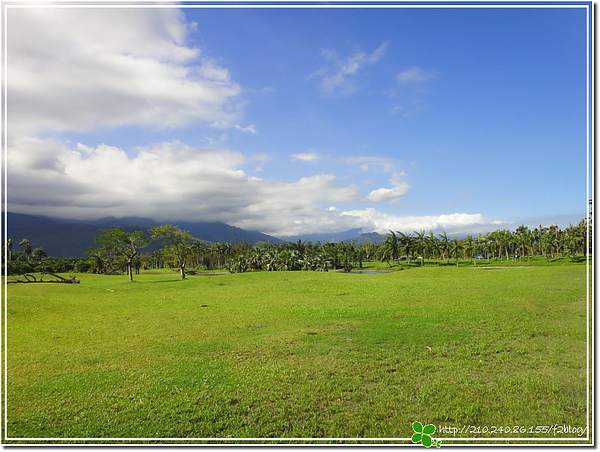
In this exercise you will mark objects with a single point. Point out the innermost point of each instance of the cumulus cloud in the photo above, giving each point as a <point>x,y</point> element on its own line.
<point>297,207</point>
<point>339,77</point>
<point>308,157</point>
<point>392,195</point>
<point>66,71</point>
<point>374,220</point>
<point>172,181</point>
<point>164,181</point>
<point>168,181</point>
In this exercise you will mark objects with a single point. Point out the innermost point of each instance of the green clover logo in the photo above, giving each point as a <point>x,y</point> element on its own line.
<point>423,435</point>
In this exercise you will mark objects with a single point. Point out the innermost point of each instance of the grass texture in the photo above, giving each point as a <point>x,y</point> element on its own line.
<point>298,355</point>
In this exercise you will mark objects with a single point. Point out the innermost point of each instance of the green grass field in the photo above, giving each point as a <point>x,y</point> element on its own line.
<point>299,355</point>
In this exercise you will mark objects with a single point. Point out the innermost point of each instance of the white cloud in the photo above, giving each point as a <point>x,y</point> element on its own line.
<point>339,78</point>
<point>82,68</point>
<point>168,181</point>
<point>374,220</point>
<point>66,72</point>
<point>171,181</point>
<point>392,195</point>
<point>414,75</point>
<point>308,157</point>
<point>297,207</point>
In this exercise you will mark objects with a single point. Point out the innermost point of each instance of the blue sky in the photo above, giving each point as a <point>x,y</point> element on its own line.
<point>300,120</point>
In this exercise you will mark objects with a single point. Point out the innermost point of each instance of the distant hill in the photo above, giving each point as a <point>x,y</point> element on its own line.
<point>65,238</point>
<point>326,237</point>
<point>369,237</point>
<point>112,222</point>
<point>224,233</point>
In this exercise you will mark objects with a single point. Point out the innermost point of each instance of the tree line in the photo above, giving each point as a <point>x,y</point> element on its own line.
<point>418,248</point>
<point>118,251</point>
<point>550,242</point>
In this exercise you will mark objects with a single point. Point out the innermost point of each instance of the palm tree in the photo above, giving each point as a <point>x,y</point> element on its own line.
<point>299,246</point>
<point>540,235</point>
<point>223,251</point>
<point>433,245</point>
<point>523,239</point>
<point>97,261</point>
<point>444,244</point>
<point>456,249</point>
<point>570,241</point>
<point>27,244</point>
<point>369,250</point>
<point>420,242</point>
<point>482,243</point>
<point>407,244</point>
<point>390,248</point>
<point>39,253</point>
<point>196,253</point>
<point>9,249</point>
<point>469,248</point>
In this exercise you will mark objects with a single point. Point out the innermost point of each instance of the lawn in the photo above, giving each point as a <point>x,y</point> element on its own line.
<point>300,355</point>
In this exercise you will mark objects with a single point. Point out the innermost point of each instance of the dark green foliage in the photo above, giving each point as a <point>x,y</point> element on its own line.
<point>180,250</point>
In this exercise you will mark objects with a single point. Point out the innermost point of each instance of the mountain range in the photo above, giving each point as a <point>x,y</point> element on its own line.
<point>72,238</point>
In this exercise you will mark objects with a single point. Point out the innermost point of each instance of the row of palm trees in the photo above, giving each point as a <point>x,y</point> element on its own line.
<point>265,256</point>
<point>417,248</point>
<point>29,253</point>
<point>298,255</point>
<point>523,243</point>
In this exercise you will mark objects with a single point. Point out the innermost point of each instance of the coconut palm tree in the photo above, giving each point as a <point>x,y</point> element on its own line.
<point>433,246</point>
<point>470,248</point>
<point>523,240</point>
<point>27,244</point>
<point>9,249</point>
<point>39,254</point>
<point>389,248</point>
<point>420,243</point>
<point>197,250</point>
<point>223,251</point>
<point>456,249</point>
<point>406,243</point>
<point>444,245</point>
<point>96,261</point>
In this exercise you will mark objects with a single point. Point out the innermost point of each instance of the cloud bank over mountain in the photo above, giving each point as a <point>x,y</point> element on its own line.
<point>175,181</point>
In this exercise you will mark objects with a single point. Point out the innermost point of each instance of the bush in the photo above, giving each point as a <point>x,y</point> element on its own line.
<point>82,266</point>
<point>19,268</point>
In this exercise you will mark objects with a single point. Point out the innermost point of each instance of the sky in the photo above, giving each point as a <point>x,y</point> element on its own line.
<point>300,120</point>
